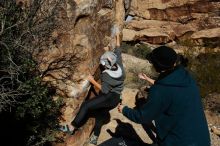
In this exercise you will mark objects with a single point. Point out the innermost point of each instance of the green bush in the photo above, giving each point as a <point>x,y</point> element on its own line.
<point>187,43</point>
<point>211,42</point>
<point>206,69</point>
<point>138,50</point>
<point>26,105</point>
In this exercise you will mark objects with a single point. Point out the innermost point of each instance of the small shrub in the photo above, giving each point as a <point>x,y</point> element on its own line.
<point>187,43</point>
<point>138,50</point>
<point>28,114</point>
<point>211,42</point>
<point>206,68</point>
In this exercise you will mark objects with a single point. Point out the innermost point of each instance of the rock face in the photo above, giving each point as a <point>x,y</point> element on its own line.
<point>213,33</point>
<point>163,21</point>
<point>77,32</point>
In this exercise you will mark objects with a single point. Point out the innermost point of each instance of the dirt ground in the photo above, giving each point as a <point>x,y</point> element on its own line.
<point>212,111</point>
<point>129,99</point>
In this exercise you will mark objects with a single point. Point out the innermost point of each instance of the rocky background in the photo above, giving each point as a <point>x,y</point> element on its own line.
<point>164,21</point>
<point>83,27</point>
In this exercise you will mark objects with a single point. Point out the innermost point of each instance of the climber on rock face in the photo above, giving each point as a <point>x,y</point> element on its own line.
<point>112,83</point>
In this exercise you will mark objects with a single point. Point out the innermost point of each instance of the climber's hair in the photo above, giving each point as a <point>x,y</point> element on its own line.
<point>114,67</point>
<point>103,67</point>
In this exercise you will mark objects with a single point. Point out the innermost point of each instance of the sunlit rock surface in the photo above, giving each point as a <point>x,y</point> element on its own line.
<point>71,50</point>
<point>162,21</point>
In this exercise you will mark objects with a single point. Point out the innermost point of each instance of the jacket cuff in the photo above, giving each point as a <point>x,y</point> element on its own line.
<point>124,110</point>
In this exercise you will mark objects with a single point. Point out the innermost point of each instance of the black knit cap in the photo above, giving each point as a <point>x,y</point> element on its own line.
<point>162,58</point>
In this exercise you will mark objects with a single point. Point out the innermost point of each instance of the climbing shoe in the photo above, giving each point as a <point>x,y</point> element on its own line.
<point>93,139</point>
<point>66,129</point>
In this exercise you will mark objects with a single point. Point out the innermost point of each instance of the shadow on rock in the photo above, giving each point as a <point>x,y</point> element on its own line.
<point>125,135</point>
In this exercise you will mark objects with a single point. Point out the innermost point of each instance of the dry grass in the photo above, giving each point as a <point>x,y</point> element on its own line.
<point>133,66</point>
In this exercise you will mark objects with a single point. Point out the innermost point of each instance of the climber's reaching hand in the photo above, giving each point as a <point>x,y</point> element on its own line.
<point>145,77</point>
<point>93,81</point>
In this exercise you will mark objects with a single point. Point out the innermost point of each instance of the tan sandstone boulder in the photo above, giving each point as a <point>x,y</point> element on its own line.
<point>77,32</point>
<point>162,21</point>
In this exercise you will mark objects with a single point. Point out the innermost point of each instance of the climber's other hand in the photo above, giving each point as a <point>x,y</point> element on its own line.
<point>90,78</point>
<point>107,48</point>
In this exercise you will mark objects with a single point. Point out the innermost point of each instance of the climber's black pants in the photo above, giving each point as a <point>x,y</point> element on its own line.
<point>98,107</point>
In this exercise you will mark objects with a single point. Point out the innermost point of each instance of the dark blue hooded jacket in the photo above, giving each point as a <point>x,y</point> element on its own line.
<point>175,104</point>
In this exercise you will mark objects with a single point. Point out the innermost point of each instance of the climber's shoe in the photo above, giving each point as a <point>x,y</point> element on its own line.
<point>66,129</point>
<point>93,139</point>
